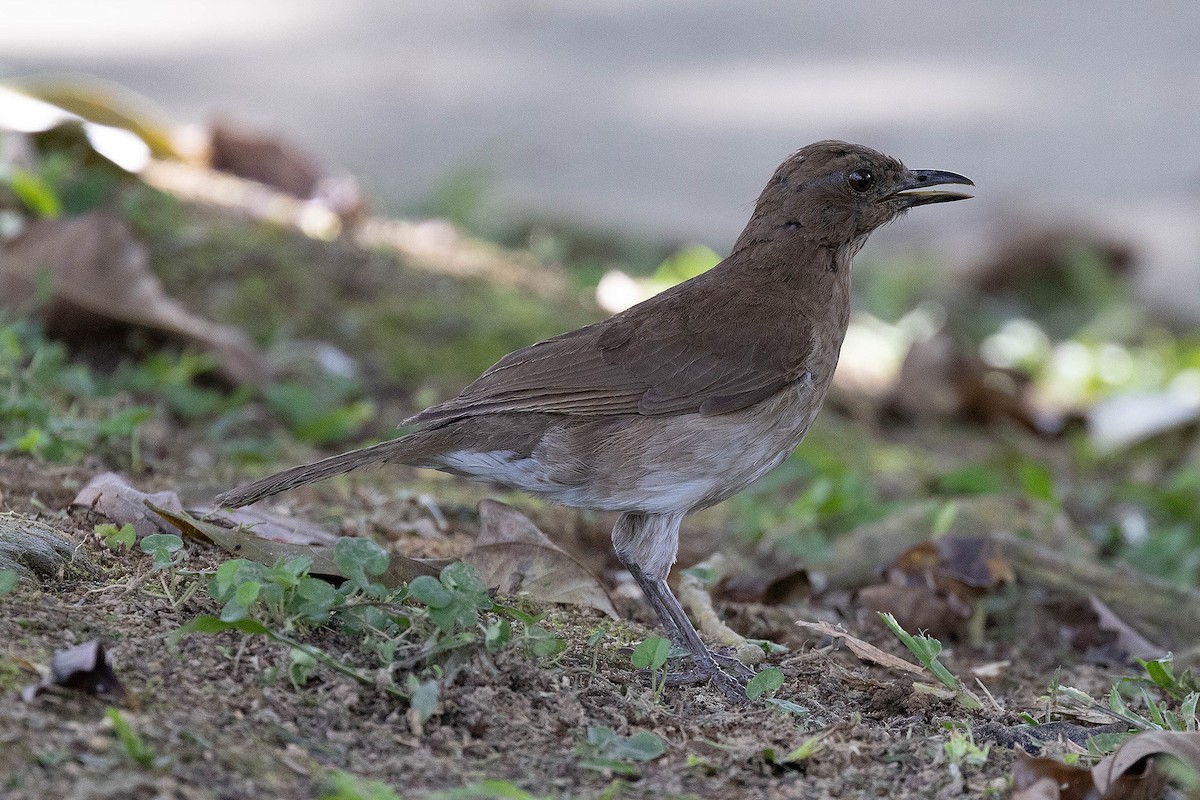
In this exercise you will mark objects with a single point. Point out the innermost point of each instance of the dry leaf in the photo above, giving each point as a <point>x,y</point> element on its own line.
<point>780,588</point>
<point>277,528</point>
<point>1049,779</point>
<point>864,650</point>
<point>1133,643</point>
<point>916,608</point>
<point>273,161</point>
<point>84,668</point>
<point>113,497</point>
<point>938,380</point>
<point>246,544</point>
<point>100,278</point>
<point>515,557</point>
<point>1123,769</point>
<point>1124,420</point>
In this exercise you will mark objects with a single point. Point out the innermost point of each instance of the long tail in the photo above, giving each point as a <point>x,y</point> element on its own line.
<point>311,473</point>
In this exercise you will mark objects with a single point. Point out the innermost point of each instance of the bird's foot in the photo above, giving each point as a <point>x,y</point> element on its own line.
<point>725,672</point>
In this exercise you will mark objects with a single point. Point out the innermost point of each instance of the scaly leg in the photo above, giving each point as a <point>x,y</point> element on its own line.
<point>641,541</point>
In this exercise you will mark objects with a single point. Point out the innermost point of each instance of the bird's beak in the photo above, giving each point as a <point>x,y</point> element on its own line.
<point>921,178</point>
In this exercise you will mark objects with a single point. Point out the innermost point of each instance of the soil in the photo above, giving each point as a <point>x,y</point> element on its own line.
<point>223,721</point>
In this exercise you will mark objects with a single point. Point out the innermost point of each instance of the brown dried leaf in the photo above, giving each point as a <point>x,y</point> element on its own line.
<point>1091,627</point>
<point>789,586</point>
<point>1133,643</point>
<point>113,497</point>
<point>864,650</point>
<point>502,524</point>
<point>915,608</point>
<point>273,161</point>
<point>84,668</point>
<point>1130,773</point>
<point>277,528</point>
<point>247,544</point>
<point>1049,779</point>
<point>938,380</point>
<point>515,557</point>
<point>100,278</point>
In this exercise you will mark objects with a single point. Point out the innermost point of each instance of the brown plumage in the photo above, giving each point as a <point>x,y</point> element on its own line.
<point>682,400</point>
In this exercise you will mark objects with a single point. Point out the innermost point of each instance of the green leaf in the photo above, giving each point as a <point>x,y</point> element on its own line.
<point>651,653</point>
<point>209,625</point>
<point>497,635</point>
<point>114,538</point>
<point>1161,672</point>
<point>35,192</point>
<point>976,479</point>
<point>1037,481</point>
<point>423,697</point>
<point>359,558</point>
<point>300,666</point>
<point>642,746</point>
<point>247,593</point>
<point>162,546</point>
<point>767,682</point>
<point>8,579</point>
<point>428,590</point>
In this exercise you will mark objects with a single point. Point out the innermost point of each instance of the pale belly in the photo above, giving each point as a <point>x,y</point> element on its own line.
<point>653,465</point>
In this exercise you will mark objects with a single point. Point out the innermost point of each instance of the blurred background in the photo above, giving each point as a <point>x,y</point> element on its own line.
<point>663,119</point>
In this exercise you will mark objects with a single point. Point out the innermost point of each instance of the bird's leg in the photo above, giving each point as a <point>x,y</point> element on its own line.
<point>640,541</point>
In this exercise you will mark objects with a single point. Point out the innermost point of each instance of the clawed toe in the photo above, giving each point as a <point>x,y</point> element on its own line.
<point>725,672</point>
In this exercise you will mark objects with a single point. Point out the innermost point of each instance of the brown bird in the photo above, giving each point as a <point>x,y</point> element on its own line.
<point>682,400</point>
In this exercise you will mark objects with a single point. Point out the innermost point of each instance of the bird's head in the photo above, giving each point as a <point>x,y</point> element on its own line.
<point>834,193</point>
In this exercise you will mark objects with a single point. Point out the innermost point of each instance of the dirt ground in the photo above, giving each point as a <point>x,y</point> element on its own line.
<point>223,724</point>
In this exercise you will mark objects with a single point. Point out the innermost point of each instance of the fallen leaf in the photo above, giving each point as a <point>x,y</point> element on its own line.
<point>915,607</point>
<point>864,650</point>
<point>771,589</point>
<point>246,544</point>
<point>277,528</point>
<point>84,668</point>
<point>100,279</point>
<point>1133,643</point>
<point>515,557</point>
<point>1124,420</point>
<point>1094,629</point>
<point>1050,779</point>
<point>938,379</point>
<point>273,161</point>
<point>1124,770</point>
<point>113,497</point>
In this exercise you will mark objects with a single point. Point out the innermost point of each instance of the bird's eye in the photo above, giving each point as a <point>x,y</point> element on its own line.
<point>860,180</point>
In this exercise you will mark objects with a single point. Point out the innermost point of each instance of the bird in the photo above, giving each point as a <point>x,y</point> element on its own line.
<point>682,400</point>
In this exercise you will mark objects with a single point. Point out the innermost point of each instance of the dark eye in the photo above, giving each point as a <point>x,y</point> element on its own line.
<point>860,180</point>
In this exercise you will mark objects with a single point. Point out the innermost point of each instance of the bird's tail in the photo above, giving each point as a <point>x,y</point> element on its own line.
<point>393,450</point>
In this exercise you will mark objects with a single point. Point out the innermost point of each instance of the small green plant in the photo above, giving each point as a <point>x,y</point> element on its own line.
<point>115,538</point>
<point>960,749</point>
<point>927,649</point>
<point>132,745</point>
<point>167,549</point>
<point>1156,700</point>
<point>8,580</point>
<point>766,682</point>
<point>344,786</point>
<point>607,751</point>
<point>493,789</point>
<point>652,655</point>
<point>56,410</point>
<point>411,627</point>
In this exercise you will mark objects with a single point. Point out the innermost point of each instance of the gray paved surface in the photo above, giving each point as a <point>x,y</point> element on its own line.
<point>666,117</point>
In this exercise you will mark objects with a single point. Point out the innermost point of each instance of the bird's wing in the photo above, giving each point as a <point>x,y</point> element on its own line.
<point>675,356</point>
